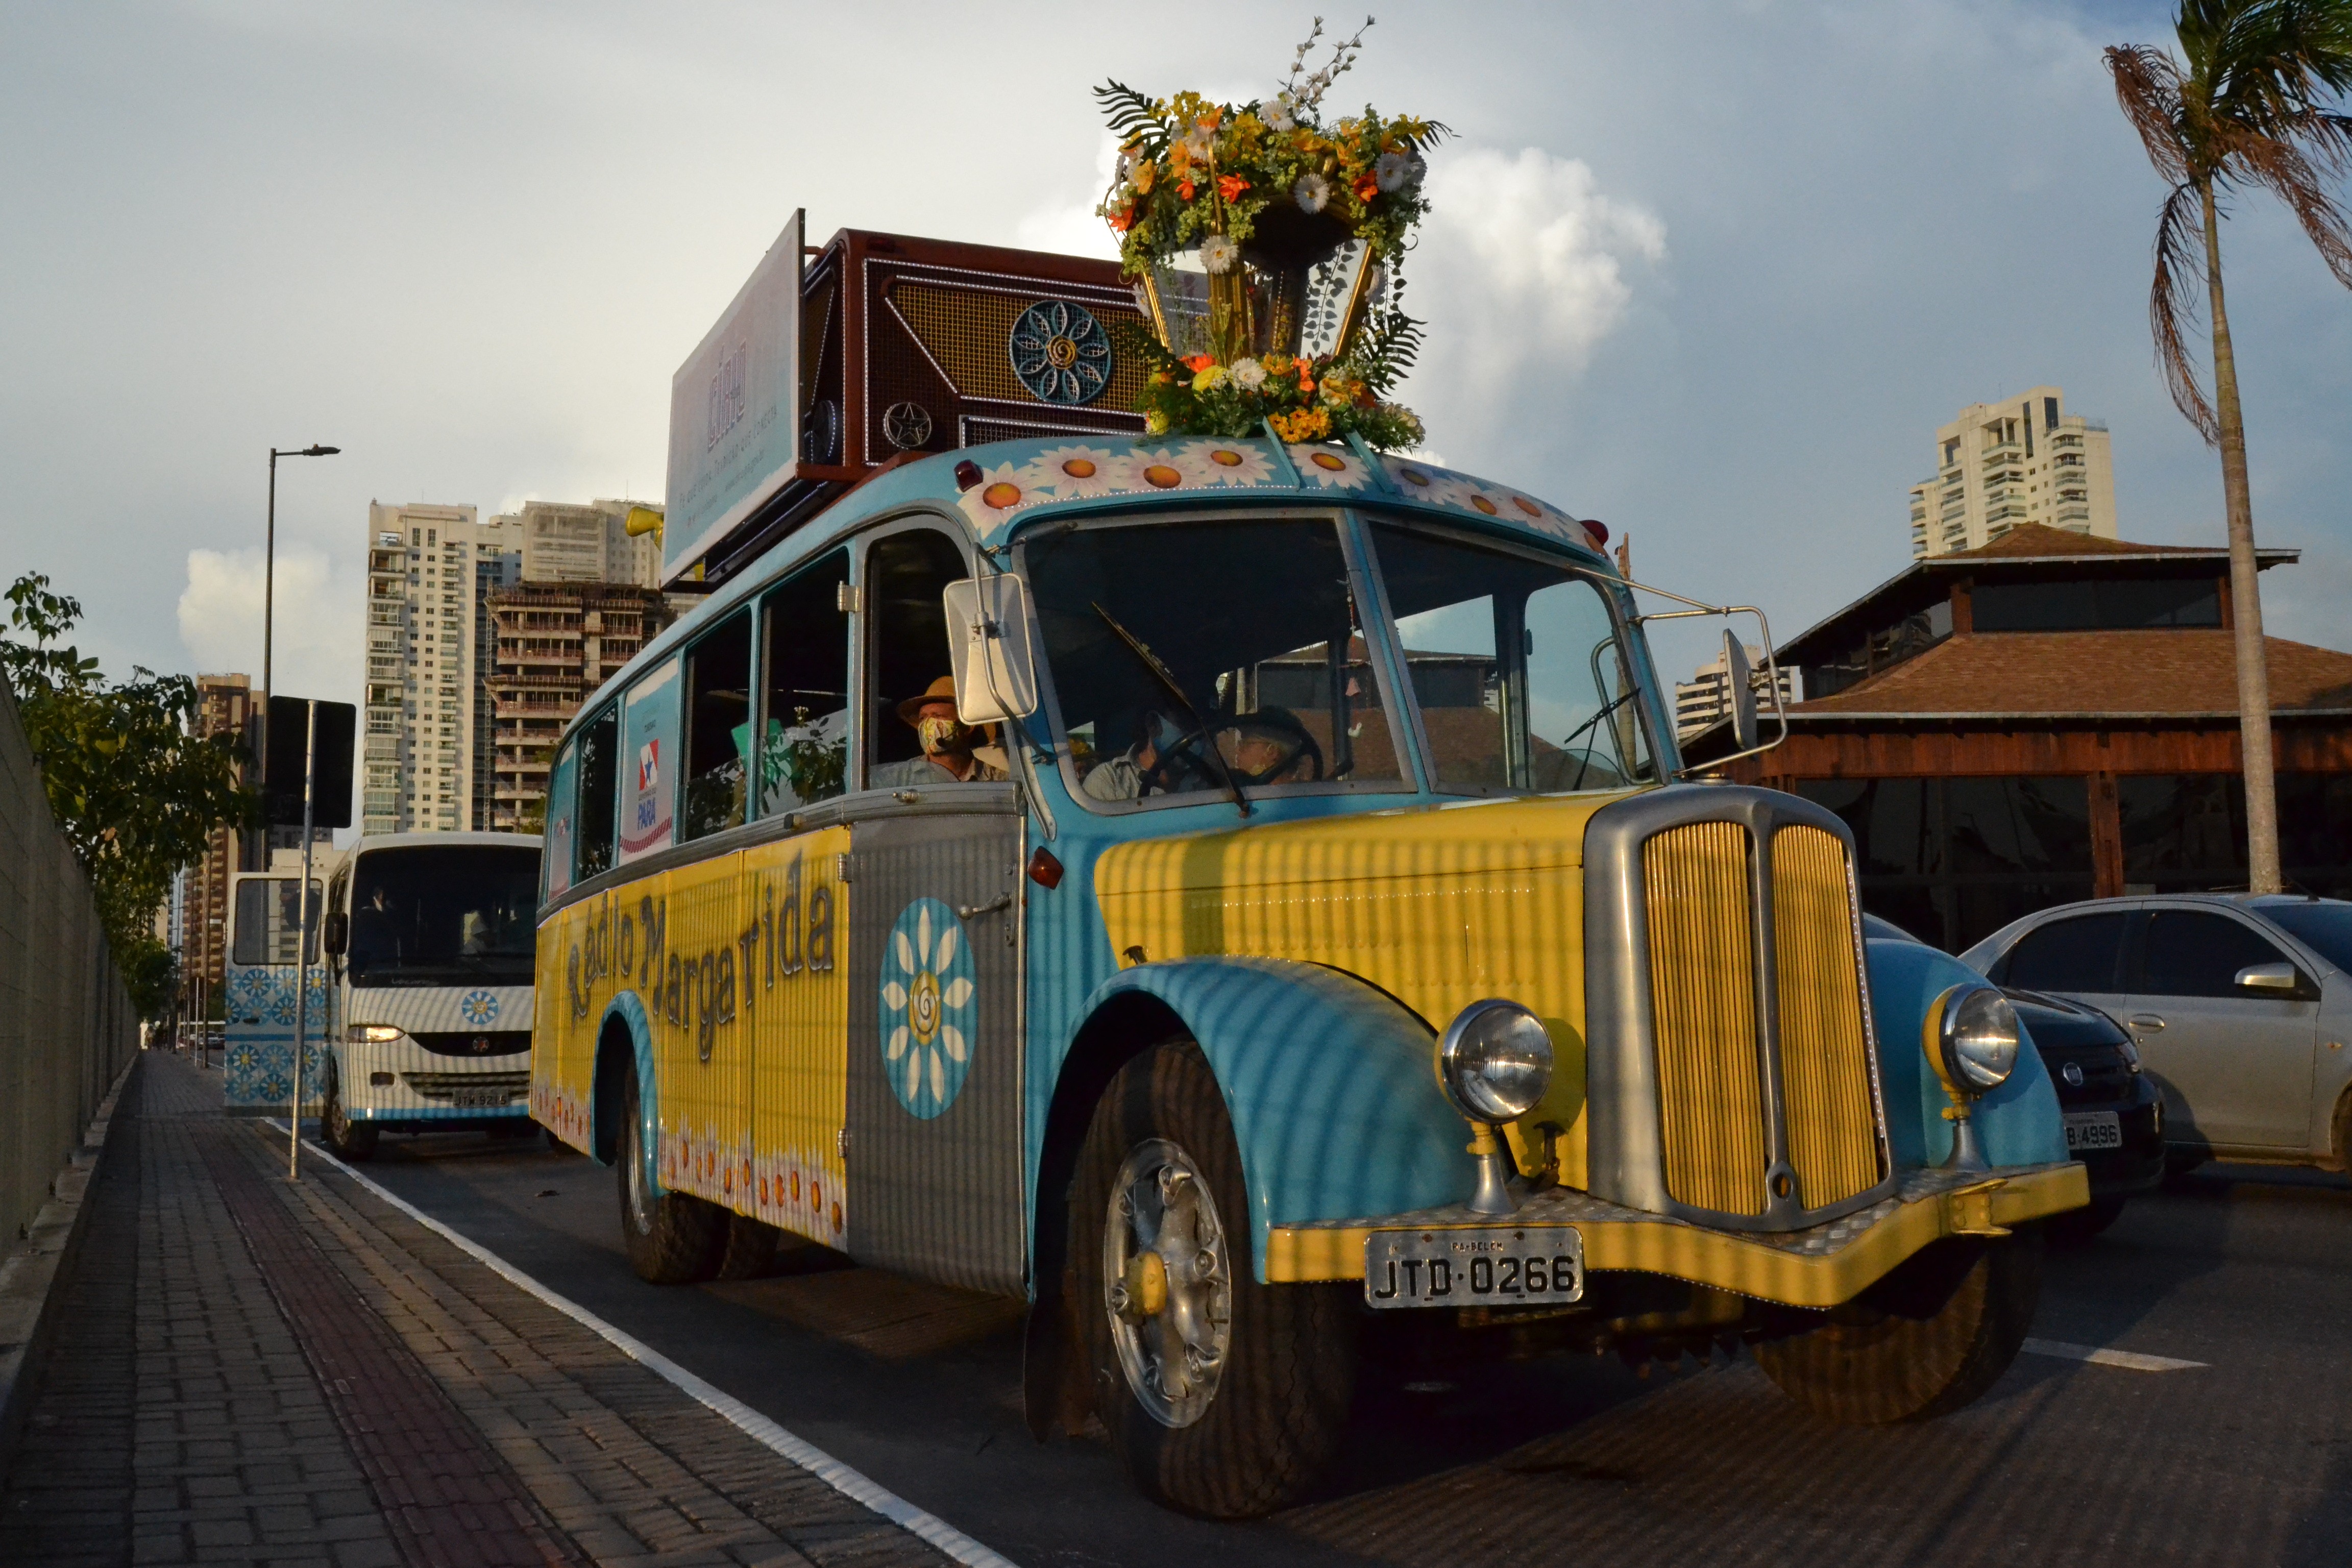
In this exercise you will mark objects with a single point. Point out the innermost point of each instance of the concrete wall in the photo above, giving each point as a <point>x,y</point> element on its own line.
<point>67,1029</point>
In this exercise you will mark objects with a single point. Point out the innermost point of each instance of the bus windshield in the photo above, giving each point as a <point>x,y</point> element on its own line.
<point>1516,665</point>
<point>434,915</point>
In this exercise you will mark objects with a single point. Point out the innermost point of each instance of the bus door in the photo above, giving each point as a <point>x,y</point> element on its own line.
<point>934,1066</point>
<point>258,1075</point>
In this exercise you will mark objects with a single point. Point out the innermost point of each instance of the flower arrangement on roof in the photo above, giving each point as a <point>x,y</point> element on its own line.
<point>1223,211</point>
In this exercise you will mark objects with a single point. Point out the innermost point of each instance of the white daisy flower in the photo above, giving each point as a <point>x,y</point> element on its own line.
<point>1277,115</point>
<point>1165,469</point>
<point>1217,461</point>
<point>1312,193</point>
<point>1248,374</point>
<point>1330,468</point>
<point>1218,253</point>
<point>1002,491</point>
<point>1197,141</point>
<point>1073,473</point>
<point>1391,171</point>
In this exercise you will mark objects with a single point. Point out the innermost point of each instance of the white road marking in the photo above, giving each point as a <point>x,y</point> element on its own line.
<point>806,1455</point>
<point>2132,1360</point>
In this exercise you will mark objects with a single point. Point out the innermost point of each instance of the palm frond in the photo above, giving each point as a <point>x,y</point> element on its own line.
<point>2172,301</point>
<point>1392,342</point>
<point>2148,86</point>
<point>1133,118</point>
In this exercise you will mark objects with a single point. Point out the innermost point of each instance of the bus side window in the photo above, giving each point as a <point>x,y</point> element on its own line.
<point>268,910</point>
<point>906,644</point>
<point>804,743</point>
<point>599,780</point>
<point>718,727</point>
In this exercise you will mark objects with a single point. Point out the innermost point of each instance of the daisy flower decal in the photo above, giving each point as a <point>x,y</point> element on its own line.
<point>1073,473</point>
<point>1001,490</point>
<point>929,1014</point>
<point>1330,468</point>
<point>479,1008</point>
<point>1229,462</point>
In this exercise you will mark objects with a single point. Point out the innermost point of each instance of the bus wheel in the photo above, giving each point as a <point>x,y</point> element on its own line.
<point>747,1249</point>
<point>344,1138</point>
<point>1924,1342</point>
<point>1223,1397</point>
<point>672,1239</point>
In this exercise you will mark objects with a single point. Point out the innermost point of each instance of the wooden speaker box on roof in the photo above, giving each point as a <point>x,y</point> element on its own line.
<point>926,346</point>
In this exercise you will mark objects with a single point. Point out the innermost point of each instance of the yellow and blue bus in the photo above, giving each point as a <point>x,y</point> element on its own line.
<point>1244,899</point>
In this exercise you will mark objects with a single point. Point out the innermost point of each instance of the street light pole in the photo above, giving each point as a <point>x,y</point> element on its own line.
<point>269,608</point>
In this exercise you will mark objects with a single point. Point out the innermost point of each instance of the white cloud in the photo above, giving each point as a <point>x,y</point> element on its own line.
<point>1522,270</point>
<point>317,640</point>
<point>1072,226</point>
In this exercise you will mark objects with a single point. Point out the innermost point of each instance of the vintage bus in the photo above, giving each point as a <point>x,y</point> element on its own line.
<point>428,944</point>
<point>1245,898</point>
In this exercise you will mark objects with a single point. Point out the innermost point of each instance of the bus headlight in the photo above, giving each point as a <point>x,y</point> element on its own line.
<point>1973,1040</point>
<point>1494,1061</point>
<point>372,1034</point>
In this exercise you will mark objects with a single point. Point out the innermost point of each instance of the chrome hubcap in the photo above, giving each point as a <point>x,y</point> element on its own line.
<point>1167,1283</point>
<point>641,1197</point>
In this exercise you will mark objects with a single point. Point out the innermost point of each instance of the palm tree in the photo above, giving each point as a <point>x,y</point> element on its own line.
<point>2251,109</point>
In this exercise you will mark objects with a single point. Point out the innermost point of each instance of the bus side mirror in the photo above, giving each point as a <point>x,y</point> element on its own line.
<point>1739,678</point>
<point>338,934</point>
<point>987,638</point>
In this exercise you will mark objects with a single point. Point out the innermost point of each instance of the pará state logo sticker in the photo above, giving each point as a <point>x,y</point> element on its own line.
<point>479,1008</point>
<point>929,1012</point>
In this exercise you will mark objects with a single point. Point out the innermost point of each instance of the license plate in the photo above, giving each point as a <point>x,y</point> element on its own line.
<point>478,1099</point>
<point>1520,1267</point>
<point>2093,1130</point>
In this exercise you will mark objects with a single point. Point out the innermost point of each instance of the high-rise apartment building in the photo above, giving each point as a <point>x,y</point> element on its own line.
<point>426,749</point>
<point>564,542</point>
<point>224,705</point>
<point>1705,697</point>
<point>557,642</point>
<point>2024,459</point>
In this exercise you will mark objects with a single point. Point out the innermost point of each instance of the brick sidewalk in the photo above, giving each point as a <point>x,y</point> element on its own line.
<point>253,1372</point>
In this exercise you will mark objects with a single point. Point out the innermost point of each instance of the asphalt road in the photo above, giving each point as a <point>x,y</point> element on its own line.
<point>2244,1460</point>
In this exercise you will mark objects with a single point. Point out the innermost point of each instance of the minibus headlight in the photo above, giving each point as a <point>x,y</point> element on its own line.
<point>1975,1040</point>
<point>1494,1061</point>
<point>373,1034</point>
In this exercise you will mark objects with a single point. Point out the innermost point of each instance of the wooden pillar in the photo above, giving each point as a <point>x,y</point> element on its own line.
<point>2107,838</point>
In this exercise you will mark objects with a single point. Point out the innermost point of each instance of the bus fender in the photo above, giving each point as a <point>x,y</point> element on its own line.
<point>2018,1122</point>
<point>1330,1083</point>
<point>604,1088</point>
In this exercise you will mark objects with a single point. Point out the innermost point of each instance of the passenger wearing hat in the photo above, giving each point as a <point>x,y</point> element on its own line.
<point>953,752</point>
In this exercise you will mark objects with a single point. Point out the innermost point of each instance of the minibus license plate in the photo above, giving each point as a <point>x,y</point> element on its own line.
<point>1521,1265</point>
<point>479,1099</point>
<point>2093,1130</point>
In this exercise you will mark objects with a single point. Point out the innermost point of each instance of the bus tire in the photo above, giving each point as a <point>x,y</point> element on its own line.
<point>1257,1433</point>
<point>1925,1341</point>
<point>672,1239</point>
<point>344,1138</point>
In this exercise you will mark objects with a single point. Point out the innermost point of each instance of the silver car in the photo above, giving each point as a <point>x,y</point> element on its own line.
<point>2241,1005</point>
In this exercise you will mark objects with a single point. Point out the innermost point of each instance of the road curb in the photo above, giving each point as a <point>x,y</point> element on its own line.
<point>29,1274</point>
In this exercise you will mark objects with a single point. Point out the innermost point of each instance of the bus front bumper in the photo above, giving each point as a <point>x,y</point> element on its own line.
<point>1820,1267</point>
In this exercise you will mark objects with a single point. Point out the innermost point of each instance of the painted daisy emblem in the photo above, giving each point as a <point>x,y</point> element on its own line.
<point>1073,473</point>
<point>1228,463</point>
<point>479,1008</point>
<point>929,1014</point>
<point>1330,468</point>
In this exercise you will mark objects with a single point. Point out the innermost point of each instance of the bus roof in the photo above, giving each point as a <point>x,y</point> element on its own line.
<point>1022,483</point>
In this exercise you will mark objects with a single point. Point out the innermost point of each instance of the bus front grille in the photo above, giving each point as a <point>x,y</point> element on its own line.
<point>1703,1007</point>
<point>1824,1056</point>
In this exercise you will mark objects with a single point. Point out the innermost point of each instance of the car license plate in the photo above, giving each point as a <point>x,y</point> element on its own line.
<point>478,1099</point>
<point>1526,1266</point>
<point>2093,1130</point>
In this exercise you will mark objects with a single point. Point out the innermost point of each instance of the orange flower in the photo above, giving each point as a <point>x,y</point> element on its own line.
<point>1184,189</point>
<point>1199,363</point>
<point>1210,121</point>
<point>1276,364</point>
<point>1304,384</point>
<point>1230,186</point>
<point>1122,220</point>
<point>1367,188</point>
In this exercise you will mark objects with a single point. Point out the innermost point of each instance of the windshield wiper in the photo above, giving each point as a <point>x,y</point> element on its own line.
<point>1200,725</point>
<point>1586,755</point>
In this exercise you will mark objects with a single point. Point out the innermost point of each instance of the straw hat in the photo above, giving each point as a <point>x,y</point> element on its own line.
<point>940,690</point>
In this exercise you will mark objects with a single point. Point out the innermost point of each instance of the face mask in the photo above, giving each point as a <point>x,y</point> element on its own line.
<point>939,735</point>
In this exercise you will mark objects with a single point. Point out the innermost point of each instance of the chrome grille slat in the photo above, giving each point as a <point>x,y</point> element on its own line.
<point>1703,1006</point>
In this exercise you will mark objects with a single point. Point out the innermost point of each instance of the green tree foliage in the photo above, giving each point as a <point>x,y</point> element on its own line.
<point>136,792</point>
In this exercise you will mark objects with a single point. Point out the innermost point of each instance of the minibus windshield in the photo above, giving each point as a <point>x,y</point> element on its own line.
<point>1225,657</point>
<point>1516,665</point>
<point>458,915</point>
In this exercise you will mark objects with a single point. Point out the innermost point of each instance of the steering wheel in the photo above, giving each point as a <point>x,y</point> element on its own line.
<point>1182,763</point>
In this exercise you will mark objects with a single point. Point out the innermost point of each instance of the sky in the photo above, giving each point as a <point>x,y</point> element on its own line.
<point>1711,273</point>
